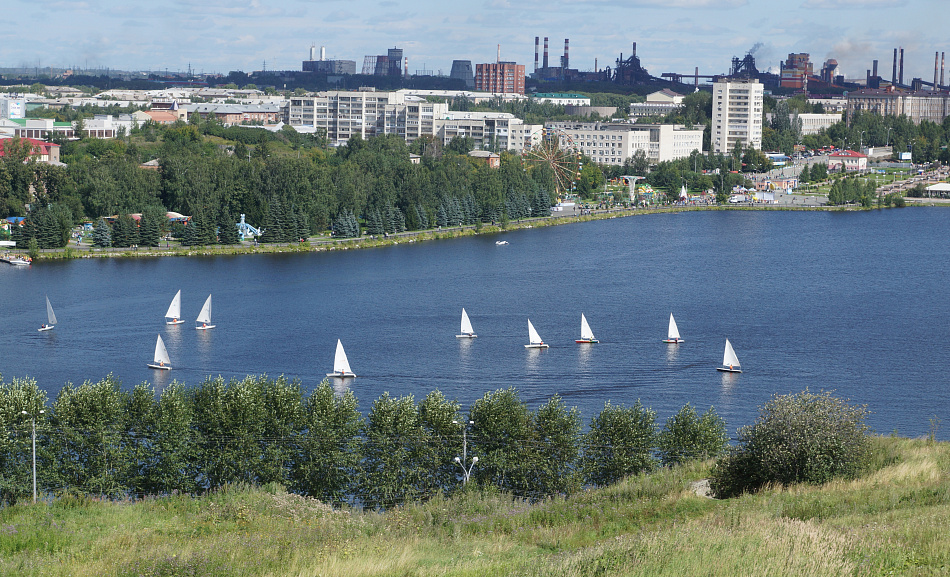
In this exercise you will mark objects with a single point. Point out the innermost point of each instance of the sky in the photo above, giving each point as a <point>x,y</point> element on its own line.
<point>671,35</point>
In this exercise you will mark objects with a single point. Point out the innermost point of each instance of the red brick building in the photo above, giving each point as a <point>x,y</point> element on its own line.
<point>41,151</point>
<point>501,77</point>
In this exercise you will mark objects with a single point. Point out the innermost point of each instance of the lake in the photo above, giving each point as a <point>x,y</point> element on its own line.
<point>853,302</point>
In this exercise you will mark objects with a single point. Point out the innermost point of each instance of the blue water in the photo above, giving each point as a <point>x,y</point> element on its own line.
<point>850,302</point>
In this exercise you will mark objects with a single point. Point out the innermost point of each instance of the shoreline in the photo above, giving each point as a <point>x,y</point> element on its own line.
<point>323,244</point>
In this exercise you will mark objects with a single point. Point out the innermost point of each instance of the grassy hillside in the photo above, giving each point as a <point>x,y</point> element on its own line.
<point>893,520</point>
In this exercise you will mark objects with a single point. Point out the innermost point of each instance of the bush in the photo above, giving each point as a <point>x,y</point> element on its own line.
<point>687,436</point>
<point>801,438</point>
<point>620,443</point>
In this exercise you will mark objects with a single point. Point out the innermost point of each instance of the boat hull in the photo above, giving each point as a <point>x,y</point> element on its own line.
<point>466,336</point>
<point>673,341</point>
<point>587,341</point>
<point>205,327</point>
<point>159,367</point>
<point>341,375</point>
<point>728,370</point>
<point>177,322</point>
<point>536,346</point>
<point>46,328</point>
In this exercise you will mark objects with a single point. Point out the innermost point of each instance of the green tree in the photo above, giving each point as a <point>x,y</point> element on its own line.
<point>227,228</point>
<point>619,443</point>
<point>687,436</point>
<point>101,234</point>
<point>18,396</point>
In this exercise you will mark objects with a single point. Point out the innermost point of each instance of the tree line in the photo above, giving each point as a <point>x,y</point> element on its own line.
<point>289,183</point>
<point>98,438</point>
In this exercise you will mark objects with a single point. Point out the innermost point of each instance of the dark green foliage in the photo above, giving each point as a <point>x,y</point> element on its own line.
<point>557,432</point>
<point>49,225</point>
<point>227,228</point>
<point>852,191</point>
<point>687,436</point>
<point>102,234</point>
<point>345,225</point>
<point>125,231</point>
<point>805,175</point>
<point>819,172</point>
<point>152,226</point>
<point>801,438</point>
<point>620,443</point>
<point>16,442</point>
<point>374,222</point>
<point>190,236</point>
<point>331,449</point>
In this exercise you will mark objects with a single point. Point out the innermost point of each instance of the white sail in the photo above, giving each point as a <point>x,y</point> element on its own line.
<point>586,333</point>
<point>49,313</point>
<point>533,337</point>
<point>466,324</point>
<point>174,309</point>
<point>204,317</point>
<point>340,364</point>
<point>161,354</point>
<point>674,333</point>
<point>729,358</point>
<point>683,193</point>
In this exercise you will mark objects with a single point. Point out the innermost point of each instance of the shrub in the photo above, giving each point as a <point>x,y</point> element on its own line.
<point>801,438</point>
<point>687,436</point>
<point>620,443</point>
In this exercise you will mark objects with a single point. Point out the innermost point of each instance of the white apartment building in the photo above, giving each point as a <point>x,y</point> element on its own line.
<point>12,107</point>
<point>614,142</point>
<point>368,113</point>
<point>736,115</point>
<point>815,123</point>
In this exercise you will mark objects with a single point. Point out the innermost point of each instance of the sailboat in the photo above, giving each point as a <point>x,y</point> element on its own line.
<point>203,322</point>
<point>467,331</point>
<point>587,335</point>
<point>161,362</point>
<point>534,338</point>
<point>730,362</point>
<point>673,335</point>
<point>341,366</point>
<point>173,315</point>
<point>50,318</point>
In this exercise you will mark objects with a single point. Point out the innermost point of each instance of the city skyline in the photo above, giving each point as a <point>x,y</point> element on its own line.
<point>671,35</point>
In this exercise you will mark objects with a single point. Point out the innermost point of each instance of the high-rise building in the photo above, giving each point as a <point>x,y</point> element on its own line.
<point>500,77</point>
<point>795,71</point>
<point>736,114</point>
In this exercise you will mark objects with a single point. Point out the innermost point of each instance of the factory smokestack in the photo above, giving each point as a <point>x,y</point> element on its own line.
<point>406,75</point>
<point>312,51</point>
<point>323,53</point>
<point>696,78</point>
<point>498,55</point>
<point>596,69</point>
<point>942,55</point>
<point>894,72</point>
<point>565,64</point>
<point>544,62</point>
<point>634,49</point>
<point>536,40</point>
<point>874,73</point>
<point>900,68</point>
<point>936,64</point>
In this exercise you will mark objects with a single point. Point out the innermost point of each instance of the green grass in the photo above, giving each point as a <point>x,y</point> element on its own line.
<point>892,520</point>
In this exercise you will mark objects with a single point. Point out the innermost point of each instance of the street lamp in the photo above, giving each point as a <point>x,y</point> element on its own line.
<point>33,425</point>
<point>466,473</point>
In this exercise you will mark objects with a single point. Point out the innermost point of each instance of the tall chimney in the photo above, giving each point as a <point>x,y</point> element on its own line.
<point>894,72</point>
<point>874,72</point>
<point>536,40</point>
<point>596,69</point>
<point>696,78</point>
<point>544,62</point>
<point>900,67</point>
<point>323,53</point>
<point>406,75</point>
<point>867,82</point>
<point>312,50</point>
<point>566,60</point>
<point>498,55</point>
<point>634,50</point>
<point>936,64</point>
<point>942,55</point>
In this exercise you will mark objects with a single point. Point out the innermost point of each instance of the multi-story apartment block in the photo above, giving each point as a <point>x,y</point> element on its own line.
<point>500,78</point>
<point>489,130</point>
<point>917,106</point>
<point>815,123</point>
<point>614,142</point>
<point>658,103</point>
<point>342,114</point>
<point>736,114</point>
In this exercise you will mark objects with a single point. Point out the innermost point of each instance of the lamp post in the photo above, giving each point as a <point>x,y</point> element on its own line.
<point>466,472</point>
<point>33,426</point>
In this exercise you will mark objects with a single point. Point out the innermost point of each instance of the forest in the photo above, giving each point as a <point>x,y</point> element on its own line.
<point>290,184</point>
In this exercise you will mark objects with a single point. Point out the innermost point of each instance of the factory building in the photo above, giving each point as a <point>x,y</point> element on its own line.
<point>917,106</point>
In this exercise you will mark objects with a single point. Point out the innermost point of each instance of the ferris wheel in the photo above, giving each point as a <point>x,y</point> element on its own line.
<point>555,149</point>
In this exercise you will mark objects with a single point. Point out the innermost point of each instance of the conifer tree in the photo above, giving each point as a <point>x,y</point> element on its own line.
<point>441,218</point>
<point>101,234</point>
<point>227,228</point>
